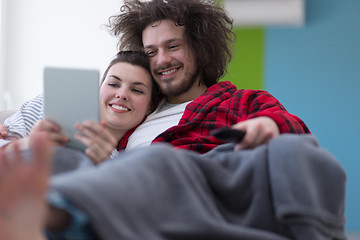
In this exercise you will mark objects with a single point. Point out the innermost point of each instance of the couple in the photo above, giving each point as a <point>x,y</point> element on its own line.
<point>276,188</point>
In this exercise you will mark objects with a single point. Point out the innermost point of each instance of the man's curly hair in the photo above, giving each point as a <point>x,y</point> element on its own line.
<point>208,30</point>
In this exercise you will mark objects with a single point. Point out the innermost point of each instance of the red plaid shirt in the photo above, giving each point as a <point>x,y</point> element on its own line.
<point>222,105</point>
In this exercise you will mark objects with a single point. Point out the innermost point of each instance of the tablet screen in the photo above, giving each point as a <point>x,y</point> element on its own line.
<point>71,96</point>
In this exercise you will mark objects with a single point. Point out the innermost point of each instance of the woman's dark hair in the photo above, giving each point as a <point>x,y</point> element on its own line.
<point>208,30</point>
<point>137,58</point>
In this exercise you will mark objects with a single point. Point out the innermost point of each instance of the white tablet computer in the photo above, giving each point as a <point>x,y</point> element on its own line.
<point>71,96</point>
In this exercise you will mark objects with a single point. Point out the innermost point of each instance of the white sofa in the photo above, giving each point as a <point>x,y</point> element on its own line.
<point>5,114</point>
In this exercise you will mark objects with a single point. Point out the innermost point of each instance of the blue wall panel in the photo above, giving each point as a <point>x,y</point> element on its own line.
<point>314,71</point>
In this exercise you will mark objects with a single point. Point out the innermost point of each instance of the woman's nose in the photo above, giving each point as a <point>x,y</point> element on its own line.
<point>122,94</point>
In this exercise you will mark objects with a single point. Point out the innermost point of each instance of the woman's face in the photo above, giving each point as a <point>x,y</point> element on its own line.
<point>125,96</point>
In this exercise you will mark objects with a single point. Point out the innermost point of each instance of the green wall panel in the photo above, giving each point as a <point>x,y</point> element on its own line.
<point>246,70</point>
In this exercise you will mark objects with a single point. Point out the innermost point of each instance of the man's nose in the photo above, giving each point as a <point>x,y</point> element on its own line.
<point>164,58</point>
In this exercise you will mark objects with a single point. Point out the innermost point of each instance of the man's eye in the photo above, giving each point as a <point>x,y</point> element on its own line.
<point>150,53</point>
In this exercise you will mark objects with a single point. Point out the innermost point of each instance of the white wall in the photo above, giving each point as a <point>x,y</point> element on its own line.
<point>40,33</point>
<point>2,53</point>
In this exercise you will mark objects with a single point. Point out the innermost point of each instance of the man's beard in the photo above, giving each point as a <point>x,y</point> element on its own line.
<point>185,85</point>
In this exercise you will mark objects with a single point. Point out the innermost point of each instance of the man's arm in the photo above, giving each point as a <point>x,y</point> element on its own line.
<point>267,120</point>
<point>266,105</point>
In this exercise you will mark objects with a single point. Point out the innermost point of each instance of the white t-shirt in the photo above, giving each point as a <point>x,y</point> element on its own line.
<point>165,116</point>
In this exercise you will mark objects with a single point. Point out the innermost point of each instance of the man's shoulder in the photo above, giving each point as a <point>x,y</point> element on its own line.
<point>228,87</point>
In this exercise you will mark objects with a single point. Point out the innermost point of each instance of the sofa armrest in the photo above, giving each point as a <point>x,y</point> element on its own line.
<point>4,114</point>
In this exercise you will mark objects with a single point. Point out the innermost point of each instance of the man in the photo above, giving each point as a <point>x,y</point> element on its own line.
<point>163,193</point>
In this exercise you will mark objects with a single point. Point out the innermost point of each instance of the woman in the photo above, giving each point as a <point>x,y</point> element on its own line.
<point>127,95</point>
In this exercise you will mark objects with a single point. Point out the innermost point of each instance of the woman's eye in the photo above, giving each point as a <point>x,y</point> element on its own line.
<point>113,85</point>
<point>138,91</point>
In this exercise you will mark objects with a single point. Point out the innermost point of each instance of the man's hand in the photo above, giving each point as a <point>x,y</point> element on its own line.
<point>259,131</point>
<point>3,131</point>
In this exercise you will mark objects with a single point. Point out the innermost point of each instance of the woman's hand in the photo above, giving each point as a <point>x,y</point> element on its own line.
<point>259,131</point>
<point>51,130</point>
<point>98,139</point>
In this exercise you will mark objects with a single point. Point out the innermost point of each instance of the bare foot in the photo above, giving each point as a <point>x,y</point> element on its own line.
<point>23,186</point>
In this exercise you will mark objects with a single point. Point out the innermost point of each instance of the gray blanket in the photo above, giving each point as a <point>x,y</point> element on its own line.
<point>288,189</point>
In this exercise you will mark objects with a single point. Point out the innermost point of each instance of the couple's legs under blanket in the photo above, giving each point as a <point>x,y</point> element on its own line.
<point>287,189</point>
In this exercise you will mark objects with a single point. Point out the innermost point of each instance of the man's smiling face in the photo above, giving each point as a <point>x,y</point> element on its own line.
<point>172,62</point>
